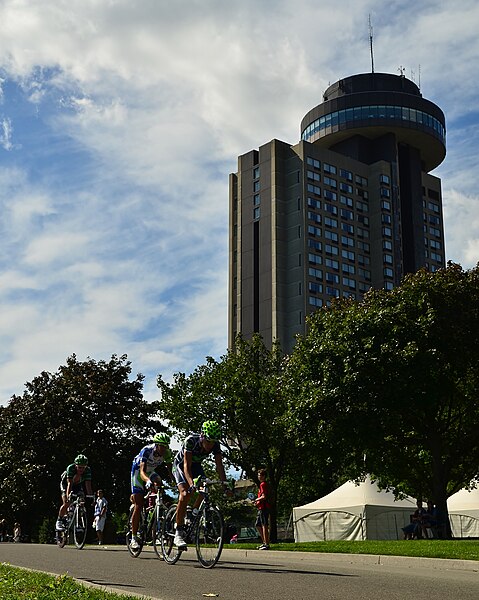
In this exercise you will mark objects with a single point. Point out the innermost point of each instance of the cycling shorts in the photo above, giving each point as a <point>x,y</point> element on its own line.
<point>196,471</point>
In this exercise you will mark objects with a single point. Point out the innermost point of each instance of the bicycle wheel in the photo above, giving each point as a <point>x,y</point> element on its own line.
<point>209,536</point>
<point>80,526</point>
<point>170,552</point>
<point>135,552</point>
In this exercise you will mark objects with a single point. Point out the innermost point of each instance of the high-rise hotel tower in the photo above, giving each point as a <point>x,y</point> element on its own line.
<point>351,206</point>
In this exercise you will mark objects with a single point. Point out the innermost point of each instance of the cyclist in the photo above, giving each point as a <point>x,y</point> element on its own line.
<point>76,478</point>
<point>143,476</point>
<point>187,466</point>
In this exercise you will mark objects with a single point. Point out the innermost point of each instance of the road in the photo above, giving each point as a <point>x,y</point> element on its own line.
<point>253,574</point>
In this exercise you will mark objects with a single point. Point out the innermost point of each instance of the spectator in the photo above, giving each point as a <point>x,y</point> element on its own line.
<point>263,506</point>
<point>3,530</point>
<point>17,533</point>
<point>413,530</point>
<point>101,507</point>
<point>429,520</point>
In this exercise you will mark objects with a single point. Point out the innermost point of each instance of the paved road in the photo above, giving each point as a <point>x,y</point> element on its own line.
<point>253,575</point>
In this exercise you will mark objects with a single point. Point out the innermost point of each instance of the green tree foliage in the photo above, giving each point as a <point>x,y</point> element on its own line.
<point>90,407</point>
<point>242,391</point>
<point>391,384</point>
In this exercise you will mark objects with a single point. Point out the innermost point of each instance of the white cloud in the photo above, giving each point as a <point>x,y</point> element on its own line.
<point>120,122</point>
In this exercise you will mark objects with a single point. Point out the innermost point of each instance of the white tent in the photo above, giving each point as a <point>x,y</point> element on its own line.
<point>463,508</point>
<point>353,512</point>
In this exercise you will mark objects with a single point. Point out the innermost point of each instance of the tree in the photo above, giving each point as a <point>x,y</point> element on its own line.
<point>242,391</point>
<point>394,380</point>
<point>90,407</point>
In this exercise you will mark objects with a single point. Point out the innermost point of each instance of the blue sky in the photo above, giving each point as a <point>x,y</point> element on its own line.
<point>120,122</point>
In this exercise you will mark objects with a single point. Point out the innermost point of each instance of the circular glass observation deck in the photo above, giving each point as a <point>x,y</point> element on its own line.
<point>373,105</point>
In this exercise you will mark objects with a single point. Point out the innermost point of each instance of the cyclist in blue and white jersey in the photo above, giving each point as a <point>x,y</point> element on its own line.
<point>187,466</point>
<point>143,475</point>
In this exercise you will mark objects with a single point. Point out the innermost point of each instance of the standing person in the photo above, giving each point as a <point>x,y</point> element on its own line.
<point>17,533</point>
<point>187,466</point>
<point>143,475</point>
<point>76,478</point>
<point>3,530</point>
<point>263,506</point>
<point>101,506</point>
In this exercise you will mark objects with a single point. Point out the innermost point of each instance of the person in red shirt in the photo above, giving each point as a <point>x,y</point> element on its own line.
<point>263,506</point>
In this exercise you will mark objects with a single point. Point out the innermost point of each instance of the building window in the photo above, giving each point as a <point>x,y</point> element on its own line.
<point>347,228</point>
<point>330,195</point>
<point>388,272</point>
<point>314,259</point>
<point>332,291</point>
<point>315,288</point>
<point>387,245</point>
<point>315,301</point>
<point>362,206</point>
<point>331,250</point>
<point>385,205</point>
<point>256,213</point>
<point>314,176</point>
<point>312,230</point>
<point>345,187</point>
<point>256,173</point>
<point>312,162</point>
<point>363,260</point>
<point>346,174</point>
<point>388,285</point>
<point>347,241</point>
<point>312,216</point>
<point>331,235</point>
<point>388,259</point>
<point>434,231</point>
<point>313,203</point>
<point>434,207</point>
<point>348,254</point>
<point>346,201</point>
<point>316,273</point>
<point>315,245</point>
<point>435,244</point>
<point>364,273</point>
<point>256,199</point>
<point>387,232</point>
<point>330,181</point>
<point>255,186</point>
<point>363,193</point>
<point>331,263</point>
<point>384,179</point>
<point>386,219</point>
<point>362,181</point>
<point>330,208</point>
<point>329,169</point>
<point>364,246</point>
<point>330,222</point>
<point>384,192</point>
<point>347,214</point>
<point>314,189</point>
<point>363,219</point>
<point>350,283</point>
<point>348,268</point>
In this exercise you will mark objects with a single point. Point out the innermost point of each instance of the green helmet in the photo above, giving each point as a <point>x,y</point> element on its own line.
<point>81,460</point>
<point>211,430</point>
<point>161,438</point>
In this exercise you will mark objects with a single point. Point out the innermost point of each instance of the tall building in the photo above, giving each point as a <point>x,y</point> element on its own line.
<point>352,205</point>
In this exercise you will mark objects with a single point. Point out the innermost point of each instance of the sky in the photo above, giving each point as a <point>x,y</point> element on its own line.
<point>120,122</point>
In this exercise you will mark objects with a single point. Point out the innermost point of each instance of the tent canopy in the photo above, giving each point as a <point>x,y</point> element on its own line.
<point>353,512</point>
<point>463,508</point>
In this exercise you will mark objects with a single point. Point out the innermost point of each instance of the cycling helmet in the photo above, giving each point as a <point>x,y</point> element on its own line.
<point>81,460</point>
<point>211,430</point>
<point>161,438</point>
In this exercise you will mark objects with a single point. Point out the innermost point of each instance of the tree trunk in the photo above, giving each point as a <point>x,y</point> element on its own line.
<point>439,486</point>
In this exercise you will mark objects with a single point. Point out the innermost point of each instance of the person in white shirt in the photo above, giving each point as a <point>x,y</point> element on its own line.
<point>101,506</point>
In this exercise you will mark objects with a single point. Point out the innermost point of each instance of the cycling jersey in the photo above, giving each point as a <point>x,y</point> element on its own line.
<point>193,444</point>
<point>151,461</point>
<point>77,478</point>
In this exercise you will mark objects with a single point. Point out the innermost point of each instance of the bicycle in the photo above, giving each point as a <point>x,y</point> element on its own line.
<point>150,526</point>
<point>205,529</point>
<point>76,522</point>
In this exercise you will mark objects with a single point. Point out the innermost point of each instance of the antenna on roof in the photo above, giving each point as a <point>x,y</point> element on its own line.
<point>419,77</point>
<point>371,43</point>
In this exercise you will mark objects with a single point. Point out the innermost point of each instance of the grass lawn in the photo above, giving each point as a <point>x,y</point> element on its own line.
<point>456,549</point>
<point>19,584</point>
